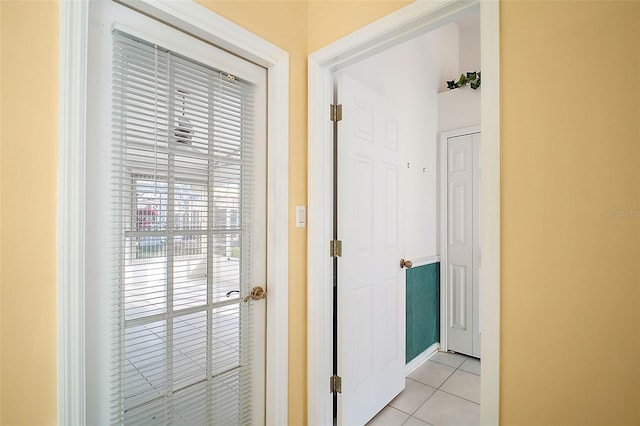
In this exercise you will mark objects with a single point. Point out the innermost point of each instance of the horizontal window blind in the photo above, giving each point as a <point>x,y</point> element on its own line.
<point>183,183</point>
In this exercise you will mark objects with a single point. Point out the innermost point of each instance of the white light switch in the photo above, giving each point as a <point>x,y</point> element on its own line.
<point>301,216</point>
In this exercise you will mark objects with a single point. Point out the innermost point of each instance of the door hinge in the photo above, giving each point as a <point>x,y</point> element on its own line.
<point>335,384</point>
<point>336,113</point>
<point>335,248</point>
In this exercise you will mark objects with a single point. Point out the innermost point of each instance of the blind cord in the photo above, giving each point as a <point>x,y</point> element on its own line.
<point>155,116</point>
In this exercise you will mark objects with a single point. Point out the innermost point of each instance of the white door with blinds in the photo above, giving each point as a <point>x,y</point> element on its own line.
<point>177,227</point>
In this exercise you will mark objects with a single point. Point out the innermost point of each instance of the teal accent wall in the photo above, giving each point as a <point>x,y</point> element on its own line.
<point>423,308</point>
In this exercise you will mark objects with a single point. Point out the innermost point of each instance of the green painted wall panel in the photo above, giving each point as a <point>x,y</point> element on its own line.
<point>423,308</point>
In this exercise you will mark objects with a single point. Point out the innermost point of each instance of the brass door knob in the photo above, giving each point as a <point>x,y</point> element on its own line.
<point>257,293</point>
<point>406,263</point>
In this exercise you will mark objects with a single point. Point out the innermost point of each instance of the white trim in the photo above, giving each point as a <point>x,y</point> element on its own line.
<point>205,24</point>
<point>490,212</point>
<point>208,26</point>
<point>421,358</point>
<point>74,18</point>
<point>319,232</point>
<point>459,132</point>
<point>443,190</point>
<point>422,261</point>
<point>402,25</point>
<point>277,368</point>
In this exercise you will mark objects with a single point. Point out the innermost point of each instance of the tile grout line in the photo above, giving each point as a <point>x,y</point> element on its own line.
<point>433,393</point>
<point>411,415</point>
<point>453,394</point>
<point>438,388</point>
<point>458,396</point>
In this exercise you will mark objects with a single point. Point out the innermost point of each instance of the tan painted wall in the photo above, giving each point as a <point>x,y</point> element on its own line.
<point>571,150</point>
<point>570,153</point>
<point>28,211</point>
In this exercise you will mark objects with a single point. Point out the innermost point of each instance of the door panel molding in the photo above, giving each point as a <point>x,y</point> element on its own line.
<point>205,24</point>
<point>414,19</point>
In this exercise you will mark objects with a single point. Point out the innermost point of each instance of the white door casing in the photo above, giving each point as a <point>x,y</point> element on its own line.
<point>460,246</point>
<point>198,21</point>
<point>371,284</point>
<point>476,331</point>
<point>416,18</point>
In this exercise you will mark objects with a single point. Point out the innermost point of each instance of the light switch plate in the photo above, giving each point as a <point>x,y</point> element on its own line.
<point>301,216</point>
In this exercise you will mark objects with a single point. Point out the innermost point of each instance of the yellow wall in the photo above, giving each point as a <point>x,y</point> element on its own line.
<point>571,153</point>
<point>570,273</point>
<point>28,211</point>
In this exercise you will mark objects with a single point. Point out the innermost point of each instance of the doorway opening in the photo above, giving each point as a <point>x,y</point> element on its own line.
<point>343,57</point>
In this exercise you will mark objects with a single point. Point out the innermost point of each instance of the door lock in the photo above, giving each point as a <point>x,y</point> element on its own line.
<point>256,293</point>
<point>405,263</point>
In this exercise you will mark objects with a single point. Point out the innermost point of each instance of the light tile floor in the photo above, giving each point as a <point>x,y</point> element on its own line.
<point>443,391</point>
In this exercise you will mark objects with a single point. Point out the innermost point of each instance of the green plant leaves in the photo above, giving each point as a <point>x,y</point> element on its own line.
<point>470,78</point>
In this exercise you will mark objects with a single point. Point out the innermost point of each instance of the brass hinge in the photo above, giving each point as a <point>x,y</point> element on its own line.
<point>336,113</point>
<point>335,248</point>
<point>335,384</point>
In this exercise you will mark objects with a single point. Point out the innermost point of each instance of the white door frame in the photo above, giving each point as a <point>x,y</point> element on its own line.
<point>443,211</point>
<point>404,24</point>
<point>204,24</point>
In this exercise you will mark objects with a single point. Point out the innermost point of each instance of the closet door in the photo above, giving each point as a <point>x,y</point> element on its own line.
<point>462,233</point>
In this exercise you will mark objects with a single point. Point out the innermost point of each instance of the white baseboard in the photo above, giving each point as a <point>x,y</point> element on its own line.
<point>420,359</point>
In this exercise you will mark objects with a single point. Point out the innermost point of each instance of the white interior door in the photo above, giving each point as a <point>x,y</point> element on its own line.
<point>371,284</point>
<point>176,238</point>
<point>462,257</point>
